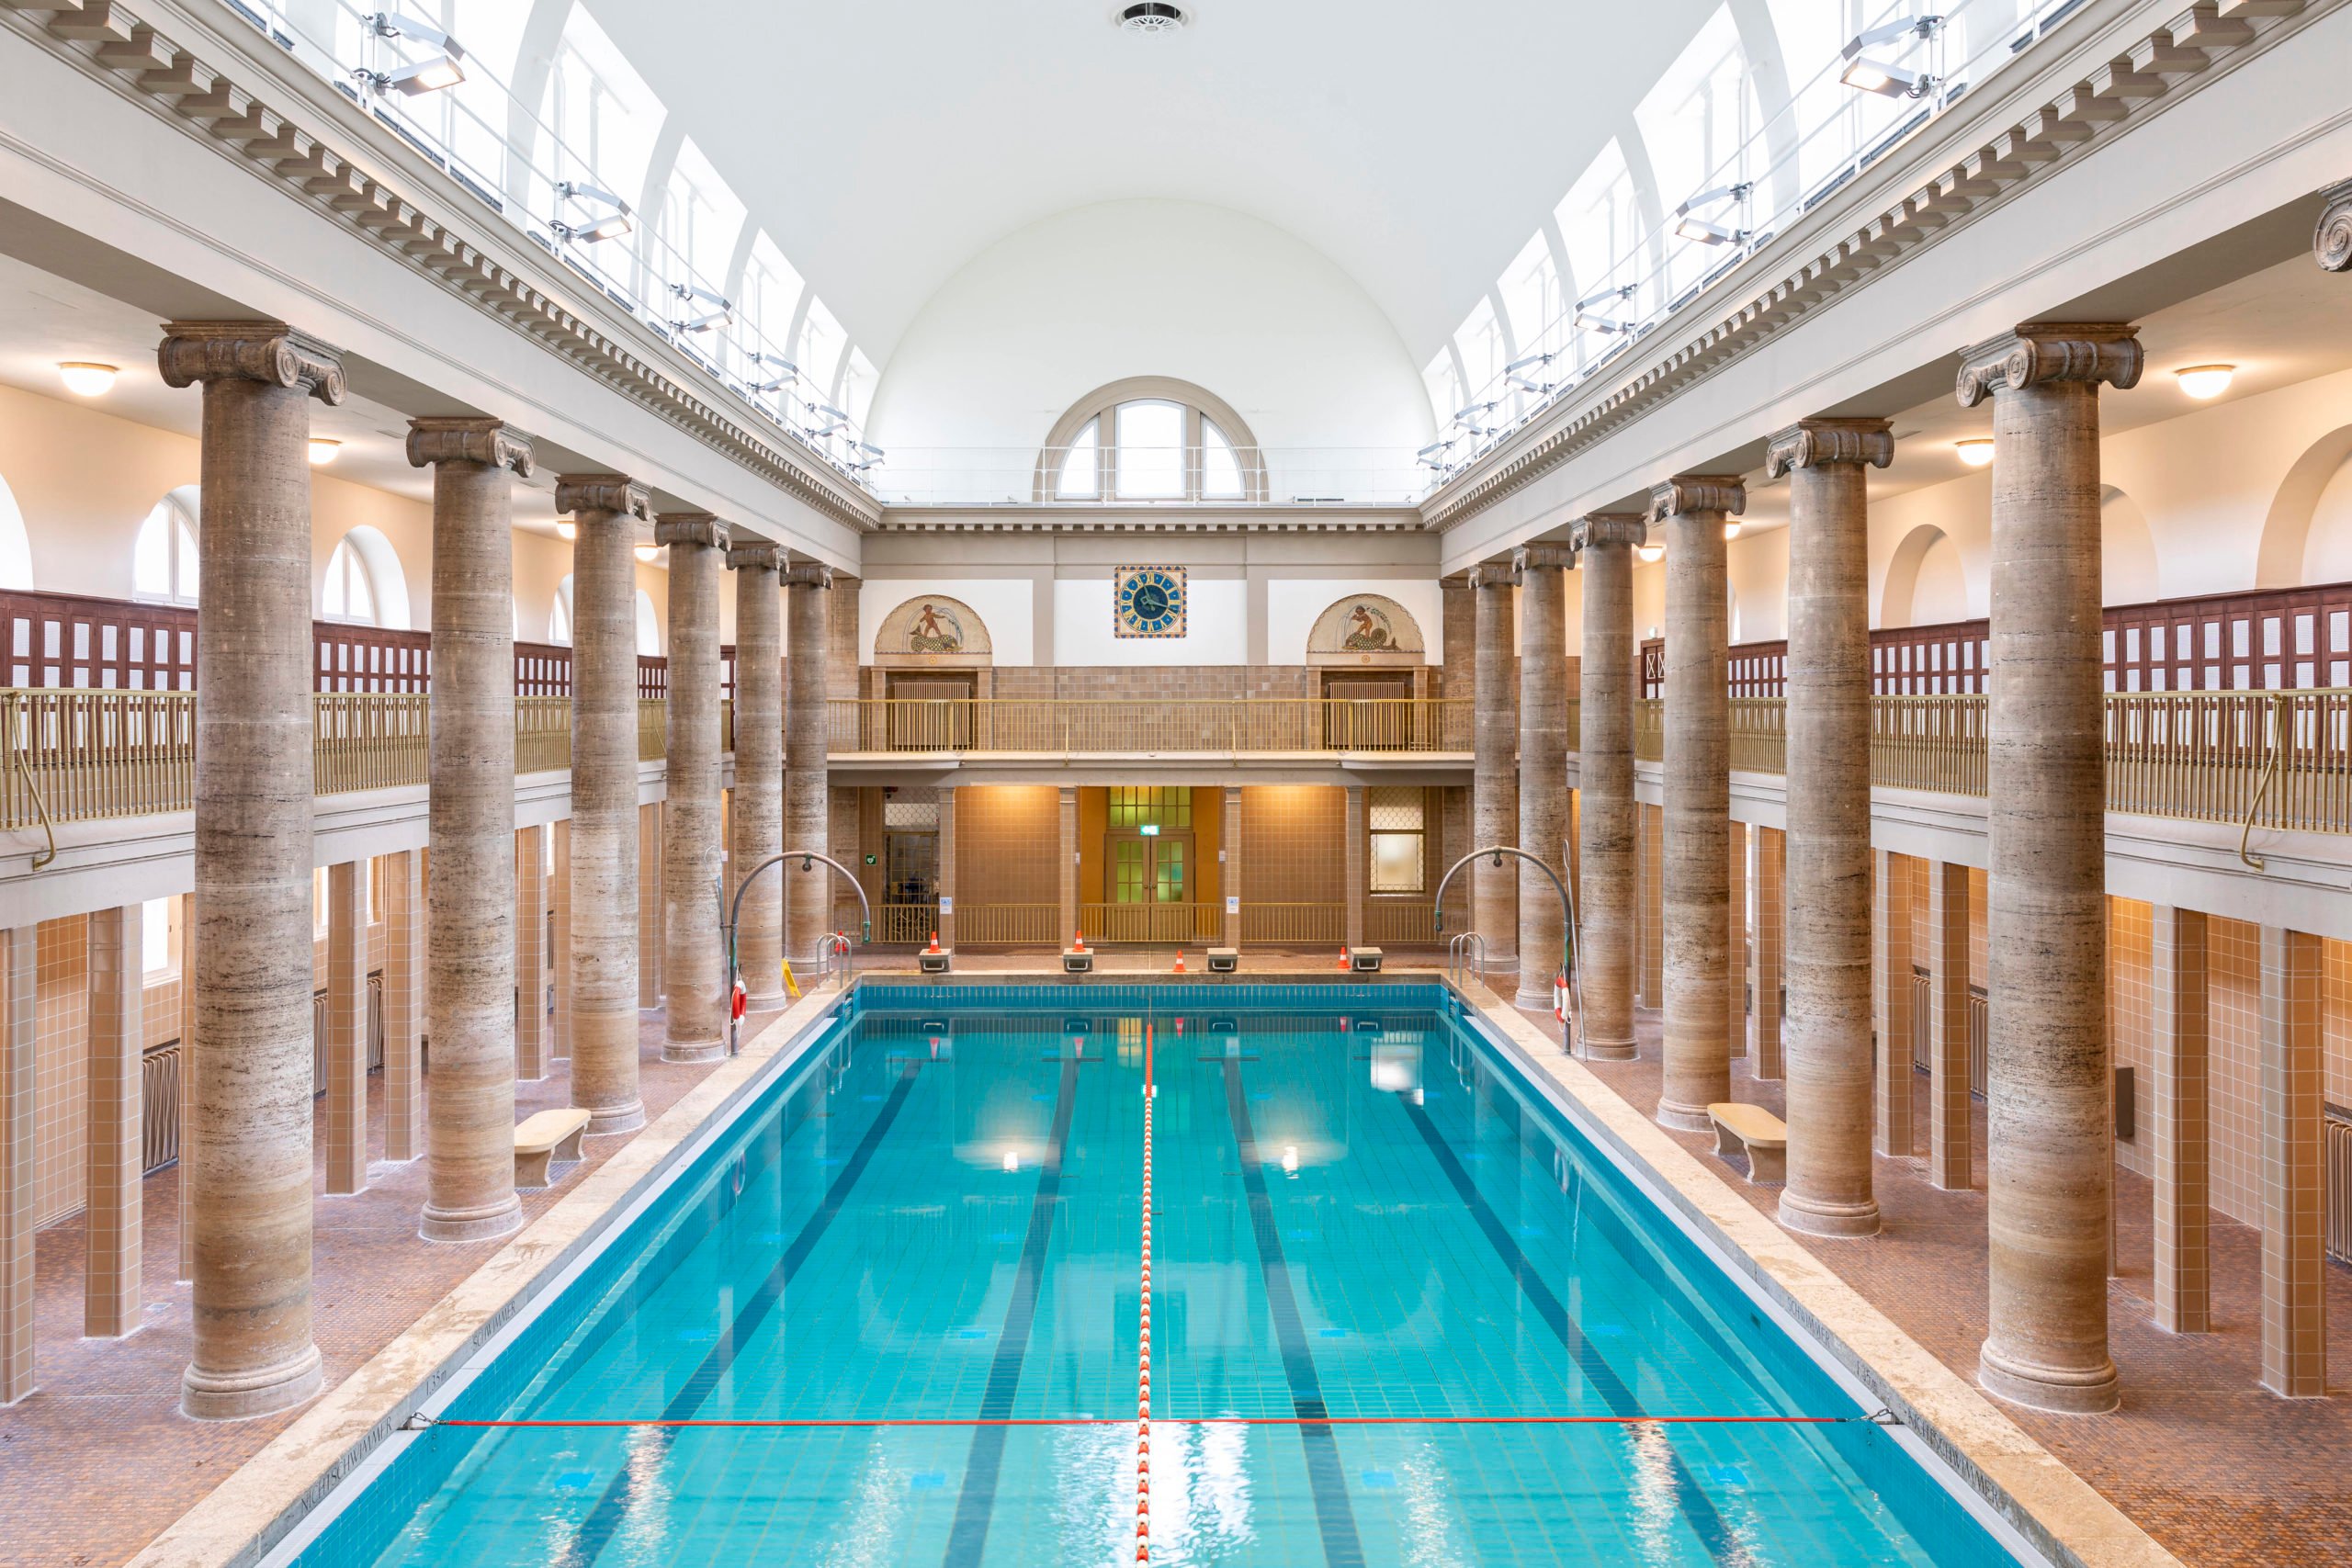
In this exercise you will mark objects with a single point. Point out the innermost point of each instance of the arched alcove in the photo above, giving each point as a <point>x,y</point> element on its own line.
<point>649,627</point>
<point>1925,584</point>
<point>2127,551</point>
<point>163,555</point>
<point>2285,556</point>
<point>16,545</point>
<point>933,629</point>
<point>363,582</point>
<point>2327,535</point>
<point>1367,629</point>
<point>559,614</point>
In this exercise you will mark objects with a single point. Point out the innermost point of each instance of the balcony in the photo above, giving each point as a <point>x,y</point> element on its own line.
<point>1059,728</point>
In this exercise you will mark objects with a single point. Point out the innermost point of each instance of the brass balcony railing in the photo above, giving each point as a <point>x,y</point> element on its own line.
<point>1009,925</point>
<point>1167,924</point>
<point>1147,726</point>
<point>1310,925</point>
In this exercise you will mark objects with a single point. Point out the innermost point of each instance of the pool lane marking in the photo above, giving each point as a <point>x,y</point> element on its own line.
<point>604,1521</point>
<point>967,1537</point>
<point>1143,1326</point>
<point>790,1423</point>
<point>1334,1513</point>
<point>1688,1497</point>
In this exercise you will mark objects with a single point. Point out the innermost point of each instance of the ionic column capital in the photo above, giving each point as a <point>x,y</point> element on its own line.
<point>1815,443</point>
<point>1687,493</point>
<point>745,552</point>
<point>269,352</point>
<point>2039,352</point>
<point>603,492</point>
<point>1548,555</point>
<point>808,574</point>
<point>467,438</point>
<point>1598,528</point>
<point>2331,239</point>
<point>701,528</point>
<point>1493,574</point>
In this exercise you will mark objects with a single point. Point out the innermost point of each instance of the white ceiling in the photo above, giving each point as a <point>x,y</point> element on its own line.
<point>1417,145</point>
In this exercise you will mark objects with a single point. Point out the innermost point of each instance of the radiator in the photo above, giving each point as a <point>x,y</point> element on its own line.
<point>159,1106</point>
<point>2339,1186</point>
<point>1922,1020</point>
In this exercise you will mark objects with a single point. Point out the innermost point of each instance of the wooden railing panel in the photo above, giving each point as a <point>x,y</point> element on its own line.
<point>1147,726</point>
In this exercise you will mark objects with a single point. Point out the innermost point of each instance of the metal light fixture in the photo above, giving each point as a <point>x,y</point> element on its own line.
<point>86,379</point>
<point>1976,452</point>
<point>648,554</point>
<point>1689,225</point>
<point>1883,77</point>
<point>1467,418</point>
<point>2202,381</point>
<point>1589,314</point>
<point>445,69</point>
<point>1651,553</point>
<point>788,371</point>
<point>1514,373</point>
<point>1731,529</point>
<point>323,451</point>
<point>608,225</point>
<point>723,316</point>
<point>566,530</point>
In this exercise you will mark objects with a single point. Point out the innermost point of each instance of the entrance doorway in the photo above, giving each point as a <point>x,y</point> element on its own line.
<point>1150,867</point>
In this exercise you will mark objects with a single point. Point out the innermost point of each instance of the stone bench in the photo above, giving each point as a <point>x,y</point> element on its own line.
<point>1763,1136</point>
<point>545,1138</point>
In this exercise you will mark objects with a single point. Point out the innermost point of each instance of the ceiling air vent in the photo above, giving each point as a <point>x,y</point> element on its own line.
<point>1152,17</point>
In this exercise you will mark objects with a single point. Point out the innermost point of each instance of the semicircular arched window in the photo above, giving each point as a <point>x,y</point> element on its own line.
<point>1150,439</point>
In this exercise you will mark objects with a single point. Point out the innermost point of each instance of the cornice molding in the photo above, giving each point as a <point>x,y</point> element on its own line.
<point>702,529</point>
<point>461,438</point>
<point>269,352</point>
<point>2331,239</point>
<point>305,146</point>
<point>1815,443</point>
<point>1595,529</point>
<point>2040,351</point>
<point>614,494</point>
<point>2172,60</point>
<point>1685,495</point>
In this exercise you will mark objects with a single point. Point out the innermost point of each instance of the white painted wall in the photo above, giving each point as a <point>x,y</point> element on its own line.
<point>1293,604</point>
<point>1008,605</point>
<point>1215,625</point>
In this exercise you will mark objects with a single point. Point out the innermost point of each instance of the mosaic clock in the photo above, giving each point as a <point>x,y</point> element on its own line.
<point>1149,601</point>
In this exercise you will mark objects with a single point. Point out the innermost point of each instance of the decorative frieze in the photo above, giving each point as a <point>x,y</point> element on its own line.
<point>603,492</point>
<point>1686,493</point>
<point>2038,352</point>
<point>466,438</point>
<point>690,528</point>
<point>269,352</point>
<point>1813,443</point>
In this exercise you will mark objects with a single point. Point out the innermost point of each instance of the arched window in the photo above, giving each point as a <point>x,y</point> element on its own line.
<point>16,546</point>
<point>648,626</point>
<point>350,594</point>
<point>1150,439</point>
<point>163,557</point>
<point>560,617</point>
<point>363,582</point>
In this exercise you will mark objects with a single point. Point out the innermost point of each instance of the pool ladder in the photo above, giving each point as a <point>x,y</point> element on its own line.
<point>1466,957</point>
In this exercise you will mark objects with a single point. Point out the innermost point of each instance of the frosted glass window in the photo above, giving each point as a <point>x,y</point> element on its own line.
<point>1082,473</point>
<point>1147,460</point>
<point>162,556</point>
<point>648,626</point>
<point>348,594</point>
<point>1220,468</point>
<point>155,944</point>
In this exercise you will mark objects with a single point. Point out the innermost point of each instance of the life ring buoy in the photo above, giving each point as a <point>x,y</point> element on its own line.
<point>1560,996</point>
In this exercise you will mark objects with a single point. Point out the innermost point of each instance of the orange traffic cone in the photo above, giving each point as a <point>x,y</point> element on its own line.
<point>1078,941</point>
<point>1180,960</point>
<point>1344,958</point>
<point>934,942</point>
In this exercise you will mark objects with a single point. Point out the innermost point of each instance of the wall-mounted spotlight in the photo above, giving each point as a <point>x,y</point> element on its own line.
<point>611,224</point>
<point>445,69</point>
<point>721,315</point>
<point>1467,418</point>
<point>1588,313</point>
<point>1976,452</point>
<point>1689,225</point>
<point>788,372</point>
<point>86,379</point>
<point>1515,374</point>
<point>1436,456</point>
<point>1883,77</point>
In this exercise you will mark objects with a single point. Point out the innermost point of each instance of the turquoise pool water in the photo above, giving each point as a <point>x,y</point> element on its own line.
<point>1359,1211</point>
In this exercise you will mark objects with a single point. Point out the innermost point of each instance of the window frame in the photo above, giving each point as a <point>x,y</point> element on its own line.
<point>1099,409</point>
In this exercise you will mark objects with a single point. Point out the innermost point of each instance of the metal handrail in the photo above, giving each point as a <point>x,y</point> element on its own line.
<point>1568,926</point>
<point>1459,963</point>
<point>808,859</point>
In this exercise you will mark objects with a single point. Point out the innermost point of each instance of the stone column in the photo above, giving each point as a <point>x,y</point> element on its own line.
<point>1827,1032</point>
<point>1890,1003</point>
<point>404,1005</point>
<point>1541,569</point>
<point>1952,1157</point>
<point>471,932</point>
<point>650,817</point>
<point>1066,839</point>
<point>1736,940</point>
<point>758,818</point>
<point>187,1083</point>
<point>1608,822</point>
<point>1697,775</point>
<point>20,1152</point>
<point>112,1141</point>
<point>1494,780</point>
<point>248,1142</point>
<point>527,1013</point>
<point>1229,875</point>
<point>347,1099</point>
<point>2048,1109</point>
<point>1357,871</point>
<point>559,941</point>
<point>2294,1262</point>
<point>2178,1119</point>
<point>944,882</point>
<point>807,802</point>
<point>606,508</point>
<point>693,965</point>
<point>1768,867</point>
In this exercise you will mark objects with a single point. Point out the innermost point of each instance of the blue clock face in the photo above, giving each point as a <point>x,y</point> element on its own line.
<point>1151,601</point>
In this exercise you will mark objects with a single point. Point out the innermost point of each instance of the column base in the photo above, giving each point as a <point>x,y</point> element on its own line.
<point>1624,1050</point>
<point>1684,1117</point>
<point>241,1396</point>
<point>1533,995</point>
<point>471,1224</point>
<point>693,1050</point>
<point>605,1121</point>
<point>2061,1390</point>
<point>766,1001</point>
<point>1838,1221</point>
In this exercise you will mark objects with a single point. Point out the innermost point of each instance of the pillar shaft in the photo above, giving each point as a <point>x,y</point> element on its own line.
<point>1697,775</point>
<point>808,800</point>
<point>1951,1150</point>
<point>1768,860</point>
<point>527,1014</point>
<point>187,1080</point>
<point>404,1004</point>
<point>1358,843</point>
<point>20,1152</point>
<point>1825,1035</point>
<point>472,933</point>
<point>248,1138</point>
<point>2048,1106</point>
<point>944,882</point>
<point>1229,874</point>
<point>694,967</point>
<point>757,821</point>
<point>604,923</point>
<point>1608,822</point>
<point>559,941</point>
<point>1542,570</point>
<point>2179,1118</point>
<point>112,1140</point>
<point>346,1043</point>
<point>1736,940</point>
<point>1066,841</point>
<point>2294,1262</point>
<point>650,817</point>
<point>1494,780</point>
<point>1891,1003</point>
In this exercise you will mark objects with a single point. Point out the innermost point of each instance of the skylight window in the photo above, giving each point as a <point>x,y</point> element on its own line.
<point>1149,462</point>
<point>1150,439</point>
<point>1081,477</point>
<point>1220,466</point>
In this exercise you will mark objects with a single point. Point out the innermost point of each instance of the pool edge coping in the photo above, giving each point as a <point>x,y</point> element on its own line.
<point>274,1492</point>
<point>2041,1497</point>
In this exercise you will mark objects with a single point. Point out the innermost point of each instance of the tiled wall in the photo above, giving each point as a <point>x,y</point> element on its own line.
<point>2131,999</point>
<point>1292,842</point>
<point>1008,844</point>
<point>1174,683</point>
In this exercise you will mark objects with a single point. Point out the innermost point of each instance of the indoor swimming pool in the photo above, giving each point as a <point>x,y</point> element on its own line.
<point>1383,1303</point>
